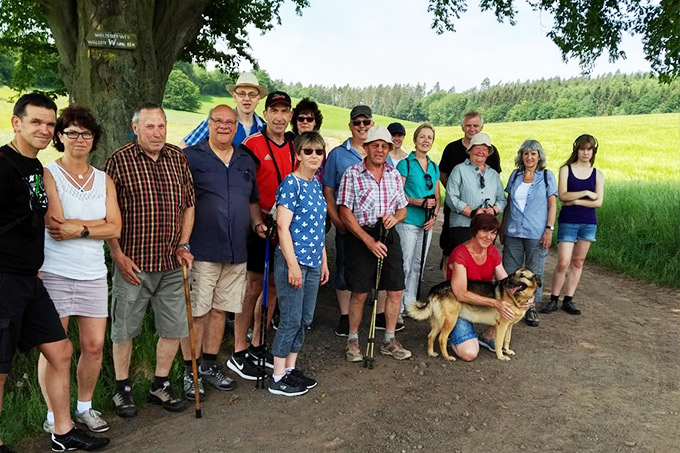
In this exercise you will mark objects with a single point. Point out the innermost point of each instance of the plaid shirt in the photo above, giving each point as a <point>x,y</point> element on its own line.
<point>152,196</point>
<point>369,199</point>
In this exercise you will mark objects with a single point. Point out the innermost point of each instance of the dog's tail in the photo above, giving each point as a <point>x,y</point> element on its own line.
<point>419,310</point>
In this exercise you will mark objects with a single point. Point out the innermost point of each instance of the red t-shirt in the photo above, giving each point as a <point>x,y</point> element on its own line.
<point>265,170</point>
<point>483,272</point>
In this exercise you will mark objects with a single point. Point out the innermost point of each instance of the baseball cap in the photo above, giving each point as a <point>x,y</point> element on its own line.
<point>277,97</point>
<point>396,128</point>
<point>378,133</point>
<point>360,110</point>
<point>481,138</point>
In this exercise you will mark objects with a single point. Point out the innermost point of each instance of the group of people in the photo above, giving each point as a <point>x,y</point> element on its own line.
<point>160,207</point>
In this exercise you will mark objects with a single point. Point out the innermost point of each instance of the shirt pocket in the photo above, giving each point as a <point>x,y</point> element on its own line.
<point>367,202</point>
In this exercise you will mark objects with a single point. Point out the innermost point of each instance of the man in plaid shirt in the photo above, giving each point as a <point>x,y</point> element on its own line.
<point>369,191</point>
<point>156,198</point>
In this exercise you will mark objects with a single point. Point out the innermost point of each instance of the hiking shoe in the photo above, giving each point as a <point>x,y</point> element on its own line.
<point>93,420</point>
<point>124,404</point>
<point>353,351</point>
<point>188,387</point>
<point>244,367</point>
<point>255,354</point>
<point>48,426</point>
<point>165,396</point>
<point>395,349</point>
<point>216,378</point>
<point>380,322</point>
<point>342,329</point>
<point>571,308</point>
<point>488,344</point>
<point>303,379</point>
<point>77,440</point>
<point>531,317</point>
<point>550,306</point>
<point>287,386</point>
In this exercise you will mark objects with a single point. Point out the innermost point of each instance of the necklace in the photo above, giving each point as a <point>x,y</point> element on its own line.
<point>80,176</point>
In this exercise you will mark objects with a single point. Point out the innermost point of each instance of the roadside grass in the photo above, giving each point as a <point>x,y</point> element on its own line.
<point>637,234</point>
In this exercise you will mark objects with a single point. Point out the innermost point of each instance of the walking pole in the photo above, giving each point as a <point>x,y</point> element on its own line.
<point>428,215</point>
<point>261,365</point>
<point>187,297</point>
<point>370,343</point>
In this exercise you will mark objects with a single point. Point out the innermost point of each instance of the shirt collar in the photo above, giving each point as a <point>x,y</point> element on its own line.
<point>139,151</point>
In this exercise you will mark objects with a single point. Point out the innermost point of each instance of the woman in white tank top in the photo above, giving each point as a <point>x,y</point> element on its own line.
<point>82,213</point>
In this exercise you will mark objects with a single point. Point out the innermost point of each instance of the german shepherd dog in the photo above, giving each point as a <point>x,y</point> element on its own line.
<point>443,310</point>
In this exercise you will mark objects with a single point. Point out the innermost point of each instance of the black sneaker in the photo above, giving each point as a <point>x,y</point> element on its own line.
<point>299,376</point>
<point>216,378</point>
<point>571,308</point>
<point>165,396</point>
<point>550,306</point>
<point>287,386</point>
<point>77,440</point>
<point>255,354</point>
<point>243,366</point>
<point>342,329</point>
<point>531,318</point>
<point>380,323</point>
<point>124,404</point>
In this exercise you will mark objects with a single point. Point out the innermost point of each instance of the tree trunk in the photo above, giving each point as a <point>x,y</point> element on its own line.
<point>114,82</point>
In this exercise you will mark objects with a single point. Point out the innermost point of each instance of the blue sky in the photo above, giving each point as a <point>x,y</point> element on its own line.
<point>367,42</point>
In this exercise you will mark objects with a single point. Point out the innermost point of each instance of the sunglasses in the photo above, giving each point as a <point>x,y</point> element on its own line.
<point>482,183</point>
<point>305,119</point>
<point>310,151</point>
<point>428,182</point>
<point>360,122</point>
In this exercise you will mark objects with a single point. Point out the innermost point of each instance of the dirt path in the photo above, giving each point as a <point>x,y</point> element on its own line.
<point>605,381</point>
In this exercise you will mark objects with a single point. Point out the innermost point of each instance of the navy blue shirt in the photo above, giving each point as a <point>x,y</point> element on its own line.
<point>223,197</point>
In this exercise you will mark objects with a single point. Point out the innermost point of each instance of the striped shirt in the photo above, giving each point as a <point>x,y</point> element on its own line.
<point>152,196</point>
<point>369,199</point>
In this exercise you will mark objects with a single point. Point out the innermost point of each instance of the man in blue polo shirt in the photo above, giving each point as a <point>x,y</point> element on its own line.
<point>247,92</point>
<point>224,180</point>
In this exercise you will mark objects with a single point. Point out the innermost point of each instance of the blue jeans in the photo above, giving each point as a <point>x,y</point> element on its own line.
<point>411,237</point>
<point>518,252</point>
<point>296,306</point>
<point>340,260</point>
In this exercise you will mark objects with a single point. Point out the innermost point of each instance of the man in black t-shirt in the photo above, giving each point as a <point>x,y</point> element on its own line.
<point>27,315</point>
<point>454,154</point>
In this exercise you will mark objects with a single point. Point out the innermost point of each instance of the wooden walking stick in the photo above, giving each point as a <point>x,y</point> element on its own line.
<point>190,318</point>
<point>369,360</point>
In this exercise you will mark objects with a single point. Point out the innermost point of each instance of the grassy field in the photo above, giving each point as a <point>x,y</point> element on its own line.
<point>637,234</point>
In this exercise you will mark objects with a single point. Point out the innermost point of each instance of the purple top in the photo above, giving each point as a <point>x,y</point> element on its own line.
<point>579,214</point>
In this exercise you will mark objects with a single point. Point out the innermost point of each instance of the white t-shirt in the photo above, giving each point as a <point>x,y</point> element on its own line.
<point>521,195</point>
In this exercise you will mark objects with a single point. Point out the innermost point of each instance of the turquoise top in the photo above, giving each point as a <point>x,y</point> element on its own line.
<point>417,186</point>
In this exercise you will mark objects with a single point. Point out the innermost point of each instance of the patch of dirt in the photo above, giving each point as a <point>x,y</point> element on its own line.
<point>605,381</point>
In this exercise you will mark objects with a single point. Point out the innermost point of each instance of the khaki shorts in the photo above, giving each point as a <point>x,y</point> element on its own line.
<point>165,290</point>
<point>217,285</point>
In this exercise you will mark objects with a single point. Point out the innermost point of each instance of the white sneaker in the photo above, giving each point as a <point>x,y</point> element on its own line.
<point>93,420</point>
<point>48,426</point>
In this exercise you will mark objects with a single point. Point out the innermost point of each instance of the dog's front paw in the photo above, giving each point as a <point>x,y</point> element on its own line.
<point>509,351</point>
<point>450,358</point>
<point>504,358</point>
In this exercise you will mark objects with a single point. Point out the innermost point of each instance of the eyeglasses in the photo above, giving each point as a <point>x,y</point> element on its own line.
<point>481,181</point>
<point>428,182</point>
<point>220,122</point>
<point>73,135</point>
<point>305,119</point>
<point>309,151</point>
<point>244,94</point>
<point>360,122</point>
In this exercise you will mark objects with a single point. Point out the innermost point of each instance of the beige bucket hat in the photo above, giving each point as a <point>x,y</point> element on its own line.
<point>247,79</point>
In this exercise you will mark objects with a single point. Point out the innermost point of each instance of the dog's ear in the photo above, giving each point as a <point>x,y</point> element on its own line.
<point>538,280</point>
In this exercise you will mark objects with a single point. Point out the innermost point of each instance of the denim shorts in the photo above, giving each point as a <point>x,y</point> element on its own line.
<point>571,232</point>
<point>463,331</point>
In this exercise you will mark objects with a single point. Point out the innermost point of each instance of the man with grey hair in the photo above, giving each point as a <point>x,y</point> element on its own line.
<point>156,198</point>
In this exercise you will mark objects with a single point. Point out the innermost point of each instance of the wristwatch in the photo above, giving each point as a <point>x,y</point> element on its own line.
<point>550,227</point>
<point>186,247</point>
<point>85,233</point>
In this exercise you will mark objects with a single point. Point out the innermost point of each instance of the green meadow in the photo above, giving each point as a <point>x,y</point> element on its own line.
<point>637,233</point>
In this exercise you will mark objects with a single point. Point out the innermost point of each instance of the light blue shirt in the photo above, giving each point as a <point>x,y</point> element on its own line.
<point>464,188</point>
<point>415,185</point>
<point>531,223</point>
<point>339,160</point>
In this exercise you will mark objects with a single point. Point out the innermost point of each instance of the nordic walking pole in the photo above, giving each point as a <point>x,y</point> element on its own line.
<point>370,343</point>
<point>190,318</point>
<point>261,365</point>
<point>428,215</point>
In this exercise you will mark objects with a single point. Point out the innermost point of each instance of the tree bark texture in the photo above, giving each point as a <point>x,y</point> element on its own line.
<point>113,82</point>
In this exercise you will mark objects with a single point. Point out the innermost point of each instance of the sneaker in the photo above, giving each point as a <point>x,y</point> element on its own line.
<point>380,322</point>
<point>550,306</point>
<point>255,354</point>
<point>531,317</point>
<point>188,387</point>
<point>48,426</point>
<point>124,404</point>
<point>165,396</point>
<point>303,379</point>
<point>353,351</point>
<point>216,378</point>
<point>244,367</point>
<point>342,329</point>
<point>93,420</point>
<point>488,344</point>
<point>571,308</point>
<point>287,386</point>
<point>395,349</point>
<point>77,440</point>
